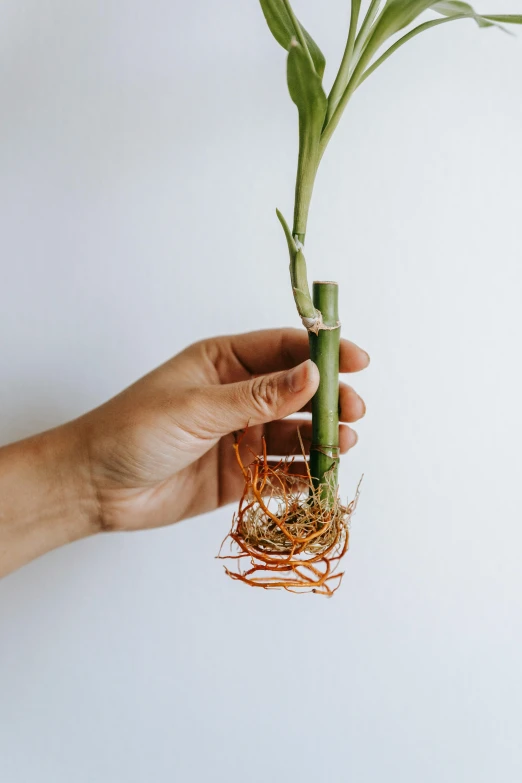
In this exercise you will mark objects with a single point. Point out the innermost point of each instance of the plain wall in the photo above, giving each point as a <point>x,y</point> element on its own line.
<point>143,149</point>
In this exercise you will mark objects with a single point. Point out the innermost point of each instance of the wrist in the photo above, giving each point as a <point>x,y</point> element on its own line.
<point>75,498</point>
<point>47,497</point>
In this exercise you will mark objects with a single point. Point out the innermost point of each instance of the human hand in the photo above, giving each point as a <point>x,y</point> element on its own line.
<point>161,451</point>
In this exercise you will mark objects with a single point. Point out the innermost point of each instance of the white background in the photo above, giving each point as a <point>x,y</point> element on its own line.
<point>143,149</point>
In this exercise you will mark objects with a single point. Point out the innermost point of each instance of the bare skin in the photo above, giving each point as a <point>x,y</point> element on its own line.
<point>161,451</point>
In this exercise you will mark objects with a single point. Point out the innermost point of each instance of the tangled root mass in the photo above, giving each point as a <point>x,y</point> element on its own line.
<point>285,534</point>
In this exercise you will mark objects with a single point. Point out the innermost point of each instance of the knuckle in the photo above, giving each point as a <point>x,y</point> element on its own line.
<point>265,395</point>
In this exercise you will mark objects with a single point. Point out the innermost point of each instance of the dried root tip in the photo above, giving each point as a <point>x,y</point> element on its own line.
<point>284,535</point>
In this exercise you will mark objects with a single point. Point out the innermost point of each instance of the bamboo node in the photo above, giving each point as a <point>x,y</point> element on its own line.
<point>316,324</point>
<point>329,451</point>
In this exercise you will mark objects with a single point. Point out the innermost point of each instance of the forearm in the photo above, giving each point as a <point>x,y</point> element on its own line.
<point>46,499</point>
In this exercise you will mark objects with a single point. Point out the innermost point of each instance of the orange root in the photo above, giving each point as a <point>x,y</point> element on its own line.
<point>284,535</point>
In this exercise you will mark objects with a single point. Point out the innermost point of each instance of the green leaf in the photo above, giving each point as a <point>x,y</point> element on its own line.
<point>457,8</point>
<point>305,306</point>
<point>416,30</point>
<point>305,87</point>
<point>283,29</point>
<point>343,75</point>
<point>298,277</point>
<point>292,247</point>
<point>308,95</point>
<point>504,18</point>
<point>453,7</point>
<point>398,14</point>
<point>453,10</point>
<point>395,15</point>
<point>364,33</point>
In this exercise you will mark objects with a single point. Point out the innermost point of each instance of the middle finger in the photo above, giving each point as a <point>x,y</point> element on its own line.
<point>351,405</point>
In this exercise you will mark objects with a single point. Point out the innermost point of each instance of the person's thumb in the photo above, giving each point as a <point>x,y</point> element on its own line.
<point>234,406</point>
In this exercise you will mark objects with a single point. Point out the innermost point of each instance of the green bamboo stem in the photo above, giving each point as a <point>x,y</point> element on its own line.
<point>324,351</point>
<point>304,185</point>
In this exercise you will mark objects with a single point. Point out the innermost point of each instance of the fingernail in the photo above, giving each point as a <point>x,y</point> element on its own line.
<point>300,376</point>
<point>363,406</point>
<point>367,357</point>
<point>355,438</point>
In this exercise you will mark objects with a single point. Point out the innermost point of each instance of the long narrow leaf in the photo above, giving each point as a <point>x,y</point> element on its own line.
<point>341,80</point>
<point>420,29</point>
<point>363,34</point>
<point>451,6</point>
<point>308,95</point>
<point>282,28</point>
<point>504,18</point>
<point>456,7</point>
<point>395,15</point>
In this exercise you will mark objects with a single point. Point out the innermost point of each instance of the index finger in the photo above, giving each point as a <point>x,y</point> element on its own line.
<point>239,356</point>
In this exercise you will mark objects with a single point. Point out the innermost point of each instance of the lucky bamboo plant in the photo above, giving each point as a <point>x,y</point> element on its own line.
<point>289,540</point>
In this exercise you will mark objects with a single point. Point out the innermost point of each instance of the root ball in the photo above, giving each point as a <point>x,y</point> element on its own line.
<point>285,534</point>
